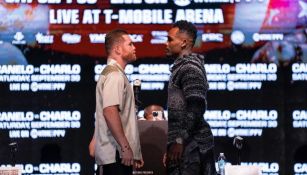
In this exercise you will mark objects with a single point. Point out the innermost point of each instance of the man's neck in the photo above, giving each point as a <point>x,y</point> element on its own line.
<point>119,61</point>
<point>185,52</point>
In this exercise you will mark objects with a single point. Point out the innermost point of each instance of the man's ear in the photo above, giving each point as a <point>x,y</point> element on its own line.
<point>184,44</point>
<point>117,49</point>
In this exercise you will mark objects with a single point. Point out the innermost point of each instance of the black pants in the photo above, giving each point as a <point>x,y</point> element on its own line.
<point>193,162</point>
<point>116,168</point>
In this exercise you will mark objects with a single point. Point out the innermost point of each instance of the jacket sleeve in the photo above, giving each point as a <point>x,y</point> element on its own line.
<point>194,84</point>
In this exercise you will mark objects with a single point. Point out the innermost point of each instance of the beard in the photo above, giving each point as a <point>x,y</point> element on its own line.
<point>172,52</point>
<point>170,55</point>
<point>129,57</point>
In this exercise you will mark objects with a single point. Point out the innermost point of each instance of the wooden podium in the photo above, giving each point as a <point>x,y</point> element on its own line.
<point>242,170</point>
<point>10,171</point>
<point>153,136</point>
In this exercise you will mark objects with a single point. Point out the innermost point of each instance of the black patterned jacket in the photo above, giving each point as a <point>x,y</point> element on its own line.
<point>187,102</point>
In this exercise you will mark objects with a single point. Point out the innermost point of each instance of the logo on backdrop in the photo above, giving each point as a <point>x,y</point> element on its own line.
<point>19,38</point>
<point>182,3</point>
<point>44,39</point>
<point>71,38</point>
<point>97,37</point>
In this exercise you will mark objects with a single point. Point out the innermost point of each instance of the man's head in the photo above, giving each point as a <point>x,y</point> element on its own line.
<point>181,38</point>
<point>119,44</point>
<point>154,113</point>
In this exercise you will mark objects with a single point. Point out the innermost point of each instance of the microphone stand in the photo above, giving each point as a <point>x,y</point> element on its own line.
<point>238,143</point>
<point>13,150</point>
<point>136,90</point>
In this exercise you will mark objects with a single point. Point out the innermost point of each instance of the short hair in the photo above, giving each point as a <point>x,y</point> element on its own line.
<point>188,28</point>
<point>113,37</point>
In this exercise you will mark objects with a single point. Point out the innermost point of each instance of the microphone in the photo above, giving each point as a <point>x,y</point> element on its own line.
<point>137,86</point>
<point>136,89</point>
<point>238,143</point>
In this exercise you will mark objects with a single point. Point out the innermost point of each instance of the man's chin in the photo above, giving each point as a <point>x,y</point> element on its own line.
<point>132,59</point>
<point>169,55</point>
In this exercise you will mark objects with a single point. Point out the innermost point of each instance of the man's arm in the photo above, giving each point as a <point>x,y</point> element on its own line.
<point>112,93</point>
<point>91,146</point>
<point>111,115</point>
<point>194,86</point>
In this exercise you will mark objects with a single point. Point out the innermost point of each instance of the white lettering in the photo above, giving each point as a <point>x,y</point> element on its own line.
<point>200,16</point>
<point>91,16</point>
<point>144,16</point>
<point>64,16</point>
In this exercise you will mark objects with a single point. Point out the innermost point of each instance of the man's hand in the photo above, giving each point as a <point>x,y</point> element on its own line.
<point>127,156</point>
<point>91,147</point>
<point>175,152</point>
<point>111,115</point>
<point>138,163</point>
<point>164,159</point>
